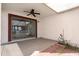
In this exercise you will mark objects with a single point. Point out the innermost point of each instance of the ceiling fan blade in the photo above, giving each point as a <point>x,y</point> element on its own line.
<point>34,15</point>
<point>37,13</point>
<point>28,14</point>
<point>27,11</point>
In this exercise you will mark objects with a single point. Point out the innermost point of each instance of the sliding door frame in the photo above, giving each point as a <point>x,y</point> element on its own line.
<point>10,25</point>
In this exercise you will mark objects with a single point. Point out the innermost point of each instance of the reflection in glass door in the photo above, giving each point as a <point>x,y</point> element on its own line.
<point>23,28</point>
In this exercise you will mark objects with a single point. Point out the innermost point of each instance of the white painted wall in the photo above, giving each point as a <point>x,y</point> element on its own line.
<point>53,25</point>
<point>0,25</point>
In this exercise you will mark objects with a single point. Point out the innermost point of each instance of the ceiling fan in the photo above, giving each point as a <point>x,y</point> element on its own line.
<point>32,12</point>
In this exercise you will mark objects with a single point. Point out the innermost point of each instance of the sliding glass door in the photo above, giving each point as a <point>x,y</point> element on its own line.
<point>23,28</point>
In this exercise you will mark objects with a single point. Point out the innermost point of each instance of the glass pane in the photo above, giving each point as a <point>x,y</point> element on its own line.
<point>23,29</point>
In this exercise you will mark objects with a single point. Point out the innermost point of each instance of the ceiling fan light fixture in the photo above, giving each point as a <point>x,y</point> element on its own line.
<point>32,12</point>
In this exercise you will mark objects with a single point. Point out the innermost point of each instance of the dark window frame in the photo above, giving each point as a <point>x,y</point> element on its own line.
<point>10,25</point>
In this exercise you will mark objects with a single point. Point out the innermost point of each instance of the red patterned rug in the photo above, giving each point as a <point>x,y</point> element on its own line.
<point>58,48</point>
